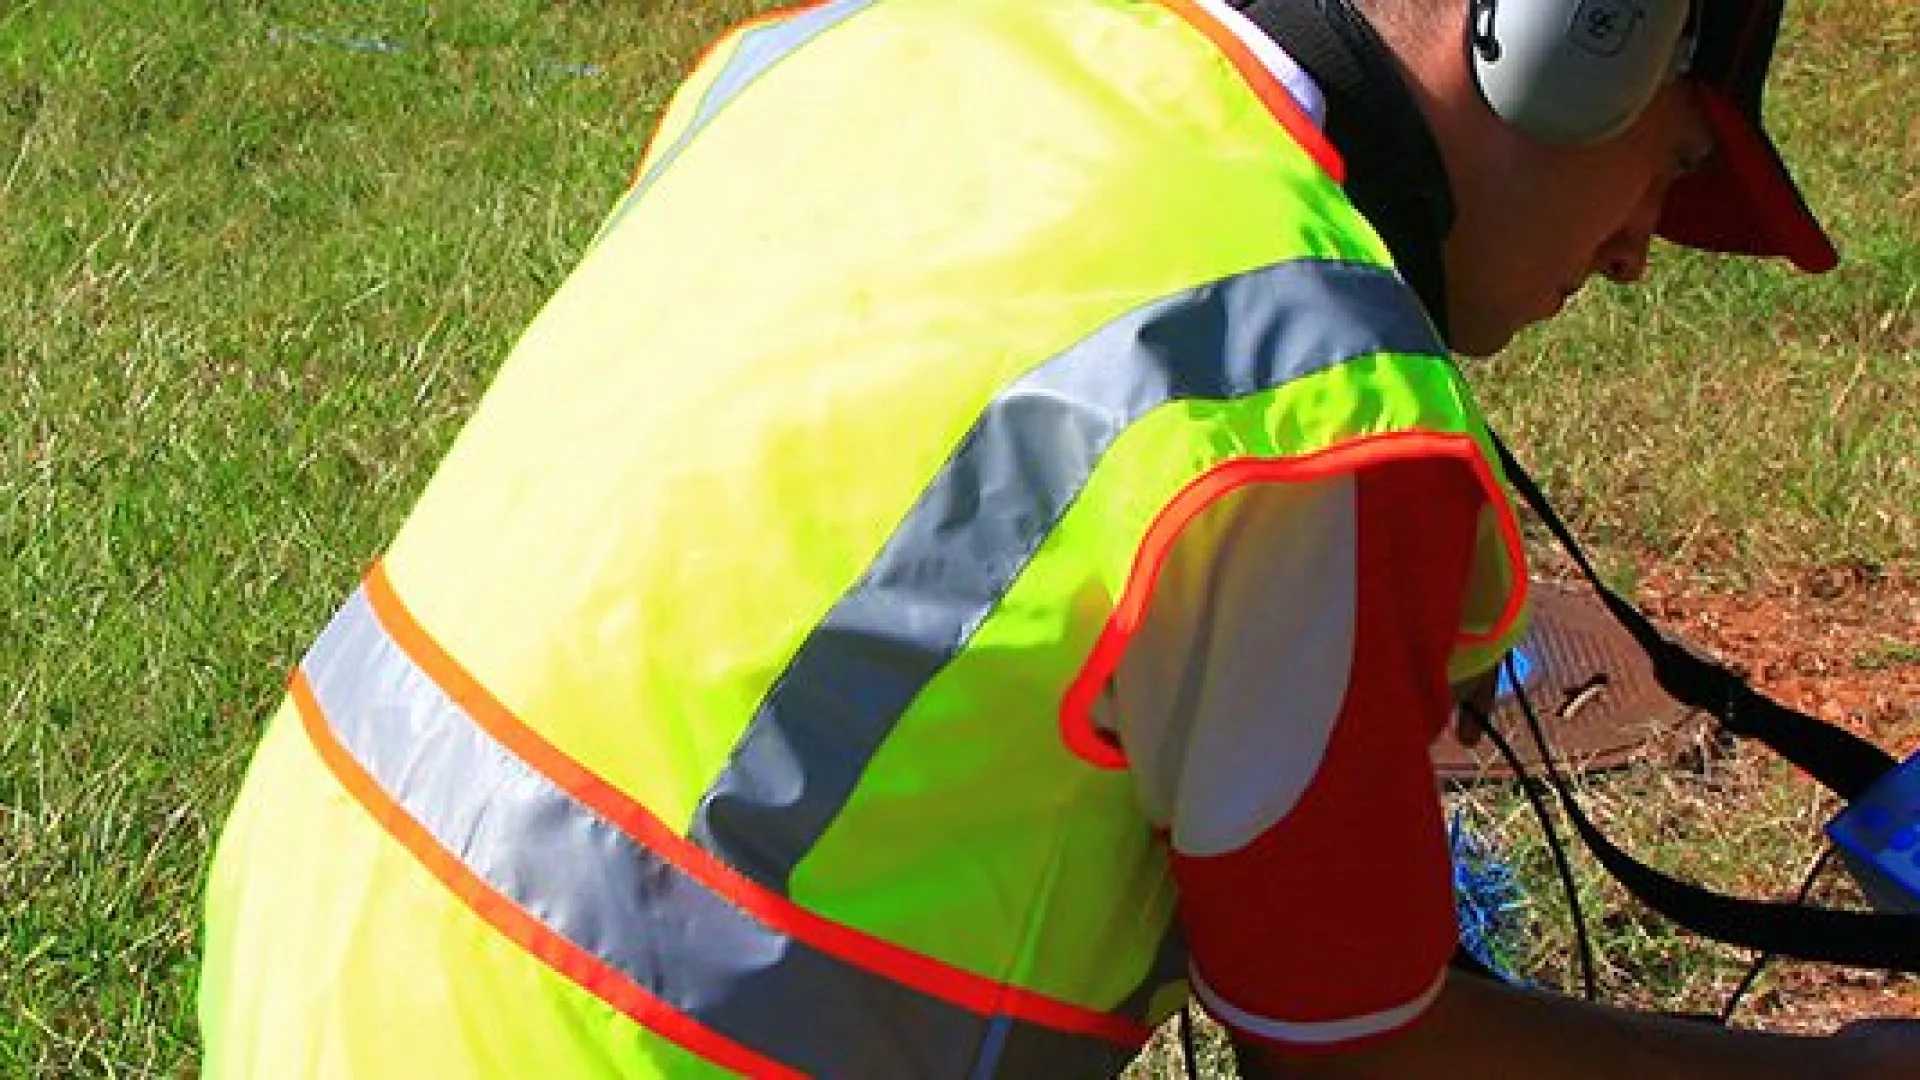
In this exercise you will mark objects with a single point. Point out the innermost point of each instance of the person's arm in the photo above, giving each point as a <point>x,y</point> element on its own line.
<point>1480,1027</point>
<point>1277,709</point>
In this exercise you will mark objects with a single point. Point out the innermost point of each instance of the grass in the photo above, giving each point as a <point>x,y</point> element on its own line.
<point>258,272</point>
<point>1736,416</point>
<point>262,257</point>
<point>1740,824</point>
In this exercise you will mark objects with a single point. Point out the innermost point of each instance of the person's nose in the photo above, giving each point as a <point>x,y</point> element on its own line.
<point>1622,258</point>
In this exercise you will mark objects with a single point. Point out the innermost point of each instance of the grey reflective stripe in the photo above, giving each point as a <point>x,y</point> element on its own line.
<point>632,908</point>
<point>980,520</point>
<point>759,49</point>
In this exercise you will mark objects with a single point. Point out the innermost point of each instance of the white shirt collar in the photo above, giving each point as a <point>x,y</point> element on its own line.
<point>1306,93</point>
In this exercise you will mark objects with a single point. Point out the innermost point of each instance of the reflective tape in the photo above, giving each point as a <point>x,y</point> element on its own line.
<point>595,887</point>
<point>760,48</point>
<point>979,522</point>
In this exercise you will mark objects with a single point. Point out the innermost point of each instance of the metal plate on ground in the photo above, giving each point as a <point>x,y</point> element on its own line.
<point>1593,690</point>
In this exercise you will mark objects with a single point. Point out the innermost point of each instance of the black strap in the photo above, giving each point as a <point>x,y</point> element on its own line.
<point>1855,938</point>
<point>1839,759</point>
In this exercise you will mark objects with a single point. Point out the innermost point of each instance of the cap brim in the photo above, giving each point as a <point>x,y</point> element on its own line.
<point>1746,203</point>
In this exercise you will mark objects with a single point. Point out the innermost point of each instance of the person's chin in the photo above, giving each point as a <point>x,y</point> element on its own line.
<point>1501,334</point>
<point>1483,342</point>
<point>1485,330</point>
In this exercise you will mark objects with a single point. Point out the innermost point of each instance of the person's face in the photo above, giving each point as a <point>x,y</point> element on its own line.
<point>1536,221</point>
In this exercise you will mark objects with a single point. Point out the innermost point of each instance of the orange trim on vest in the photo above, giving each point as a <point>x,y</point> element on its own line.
<point>1276,97</point>
<point>924,973</point>
<point>597,978</point>
<point>1077,727</point>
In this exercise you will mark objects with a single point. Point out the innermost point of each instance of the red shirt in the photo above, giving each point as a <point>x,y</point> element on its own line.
<point>1276,709</point>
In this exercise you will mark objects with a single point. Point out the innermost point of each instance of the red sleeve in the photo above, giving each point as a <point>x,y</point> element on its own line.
<point>1336,922</point>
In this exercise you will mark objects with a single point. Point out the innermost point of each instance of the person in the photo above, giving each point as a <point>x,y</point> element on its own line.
<point>977,552</point>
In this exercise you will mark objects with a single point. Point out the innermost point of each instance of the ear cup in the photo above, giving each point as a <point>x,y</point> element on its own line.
<point>1574,72</point>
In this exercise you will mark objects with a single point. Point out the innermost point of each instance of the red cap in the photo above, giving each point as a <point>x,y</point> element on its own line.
<point>1746,203</point>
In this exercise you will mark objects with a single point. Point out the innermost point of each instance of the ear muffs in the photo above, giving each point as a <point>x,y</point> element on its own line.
<point>1573,72</point>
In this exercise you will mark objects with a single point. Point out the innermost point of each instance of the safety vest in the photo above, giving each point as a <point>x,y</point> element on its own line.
<point>723,705</point>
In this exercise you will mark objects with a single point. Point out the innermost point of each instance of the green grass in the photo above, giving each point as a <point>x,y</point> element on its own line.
<point>261,258</point>
<point>256,275</point>
<point>1739,824</point>
<point>1735,416</point>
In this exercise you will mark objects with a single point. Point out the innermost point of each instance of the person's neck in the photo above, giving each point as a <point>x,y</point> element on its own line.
<point>1396,176</point>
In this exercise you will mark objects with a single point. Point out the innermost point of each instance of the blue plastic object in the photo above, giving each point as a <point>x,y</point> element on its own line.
<point>1878,837</point>
<point>1521,668</point>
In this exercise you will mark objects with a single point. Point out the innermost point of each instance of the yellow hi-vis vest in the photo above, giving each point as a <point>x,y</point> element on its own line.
<point>723,705</point>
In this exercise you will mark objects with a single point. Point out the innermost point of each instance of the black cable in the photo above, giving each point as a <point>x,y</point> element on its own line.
<point>1760,960</point>
<point>1186,1042</point>
<point>1530,787</point>
<point>1564,790</point>
<point>1559,854</point>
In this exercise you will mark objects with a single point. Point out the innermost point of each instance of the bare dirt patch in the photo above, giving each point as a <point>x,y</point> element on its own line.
<point>1842,644</point>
